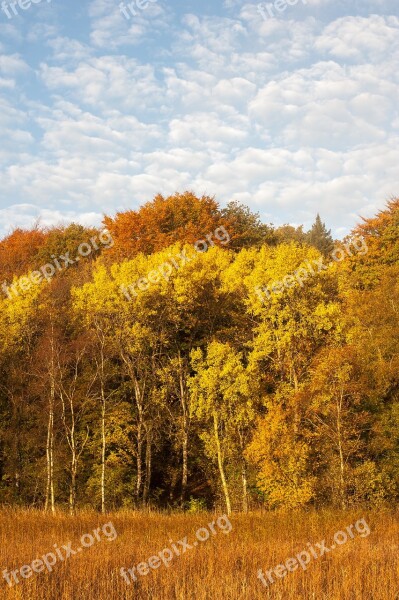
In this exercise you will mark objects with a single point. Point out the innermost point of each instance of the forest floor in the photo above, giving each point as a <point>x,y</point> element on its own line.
<point>326,555</point>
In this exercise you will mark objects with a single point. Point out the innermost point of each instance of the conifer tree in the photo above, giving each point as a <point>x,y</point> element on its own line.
<point>320,237</point>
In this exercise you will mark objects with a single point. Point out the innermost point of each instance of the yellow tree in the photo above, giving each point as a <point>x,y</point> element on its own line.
<point>282,458</point>
<point>127,311</point>
<point>296,313</point>
<point>222,402</point>
<point>19,328</point>
<point>338,397</point>
<point>190,307</point>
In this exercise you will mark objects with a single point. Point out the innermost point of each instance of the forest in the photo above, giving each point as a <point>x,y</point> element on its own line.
<point>152,369</point>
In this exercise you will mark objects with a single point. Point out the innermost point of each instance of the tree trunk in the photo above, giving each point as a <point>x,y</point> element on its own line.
<point>184,478</point>
<point>244,485</point>
<point>139,394</point>
<point>50,432</point>
<point>148,466</point>
<point>185,432</point>
<point>49,460</point>
<point>103,449</point>
<point>220,464</point>
<point>341,453</point>
<point>101,374</point>
<point>182,394</point>
<point>139,459</point>
<point>72,495</point>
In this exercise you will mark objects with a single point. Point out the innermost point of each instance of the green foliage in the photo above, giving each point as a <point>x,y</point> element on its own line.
<point>247,229</point>
<point>196,505</point>
<point>320,237</point>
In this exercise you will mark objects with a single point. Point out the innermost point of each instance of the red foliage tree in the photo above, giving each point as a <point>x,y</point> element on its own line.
<point>17,251</point>
<point>162,222</point>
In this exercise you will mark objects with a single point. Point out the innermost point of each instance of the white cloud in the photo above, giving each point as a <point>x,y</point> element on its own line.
<point>111,29</point>
<point>292,116</point>
<point>361,39</point>
<point>12,64</point>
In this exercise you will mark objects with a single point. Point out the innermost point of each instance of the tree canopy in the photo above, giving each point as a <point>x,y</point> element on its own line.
<point>153,372</point>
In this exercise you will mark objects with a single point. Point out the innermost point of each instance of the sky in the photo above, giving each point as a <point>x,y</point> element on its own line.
<point>291,109</point>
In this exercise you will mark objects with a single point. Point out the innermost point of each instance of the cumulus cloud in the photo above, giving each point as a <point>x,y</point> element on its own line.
<point>292,116</point>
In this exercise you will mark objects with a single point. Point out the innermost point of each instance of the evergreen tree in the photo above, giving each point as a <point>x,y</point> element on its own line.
<point>320,237</point>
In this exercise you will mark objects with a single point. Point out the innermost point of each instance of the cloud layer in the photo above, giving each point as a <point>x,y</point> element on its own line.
<point>292,116</point>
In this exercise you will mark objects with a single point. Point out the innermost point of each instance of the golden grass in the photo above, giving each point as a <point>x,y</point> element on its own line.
<point>222,568</point>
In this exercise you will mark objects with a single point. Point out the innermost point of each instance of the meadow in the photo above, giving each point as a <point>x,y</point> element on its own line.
<point>223,566</point>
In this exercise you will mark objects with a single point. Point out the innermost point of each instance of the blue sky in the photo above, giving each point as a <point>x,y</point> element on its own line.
<point>292,115</point>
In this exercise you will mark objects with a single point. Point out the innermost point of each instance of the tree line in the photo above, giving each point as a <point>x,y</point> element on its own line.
<point>195,391</point>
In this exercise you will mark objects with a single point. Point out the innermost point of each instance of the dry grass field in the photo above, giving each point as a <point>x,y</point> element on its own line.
<point>224,567</point>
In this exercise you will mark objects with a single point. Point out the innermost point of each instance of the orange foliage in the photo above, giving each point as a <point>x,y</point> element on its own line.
<point>18,250</point>
<point>162,222</point>
<point>381,234</point>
